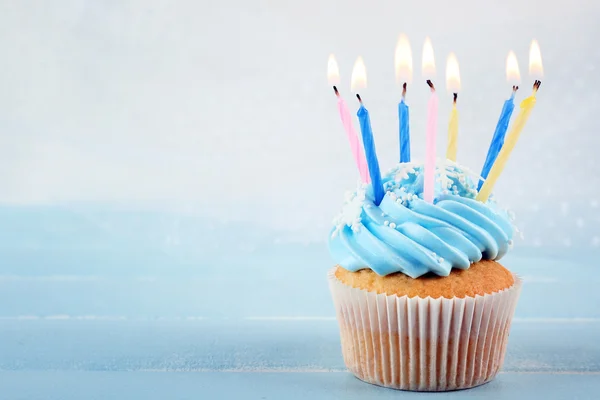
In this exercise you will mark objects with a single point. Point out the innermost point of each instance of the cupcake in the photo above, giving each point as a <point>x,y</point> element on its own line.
<point>421,302</point>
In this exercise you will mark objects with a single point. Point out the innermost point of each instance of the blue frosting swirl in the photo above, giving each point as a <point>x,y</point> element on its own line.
<point>406,234</point>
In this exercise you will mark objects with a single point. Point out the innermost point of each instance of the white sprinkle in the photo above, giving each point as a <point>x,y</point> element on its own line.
<point>441,259</point>
<point>383,214</point>
<point>393,225</point>
<point>386,223</point>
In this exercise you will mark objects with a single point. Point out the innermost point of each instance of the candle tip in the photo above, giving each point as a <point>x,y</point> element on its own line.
<point>430,84</point>
<point>536,85</point>
<point>404,90</point>
<point>455,97</point>
<point>335,90</point>
<point>358,97</point>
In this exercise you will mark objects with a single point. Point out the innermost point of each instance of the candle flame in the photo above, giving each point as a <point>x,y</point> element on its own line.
<point>359,76</point>
<point>536,69</point>
<point>428,65</point>
<point>333,72</point>
<point>403,61</point>
<point>452,74</point>
<point>513,75</point>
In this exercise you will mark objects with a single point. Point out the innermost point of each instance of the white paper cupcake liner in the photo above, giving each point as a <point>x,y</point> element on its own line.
<point>423,344</point>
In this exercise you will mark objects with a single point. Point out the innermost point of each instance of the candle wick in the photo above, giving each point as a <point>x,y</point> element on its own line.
<point>455,97</point>
<point>431,85</point>
<point>404,90</point>
<point>358,97</point>
<point>335,90</point>
<point>536,85</point>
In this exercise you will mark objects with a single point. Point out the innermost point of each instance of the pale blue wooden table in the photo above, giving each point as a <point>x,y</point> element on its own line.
<point>101,312</point>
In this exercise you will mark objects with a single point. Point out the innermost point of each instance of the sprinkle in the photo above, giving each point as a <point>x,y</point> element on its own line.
<point>393,225</point>
<point>510,242</point>
<point>386,222</point>
<point>441,259</point>
<point>383,214</point>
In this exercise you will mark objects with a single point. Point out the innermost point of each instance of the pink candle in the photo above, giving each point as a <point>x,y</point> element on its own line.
<point>333,76</point>
<point>429,180</point>
<point>359,156</point>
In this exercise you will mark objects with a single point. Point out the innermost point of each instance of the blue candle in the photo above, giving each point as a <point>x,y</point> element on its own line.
<point>498,138</point>
<point>370,153</point>
<point>403,121</point>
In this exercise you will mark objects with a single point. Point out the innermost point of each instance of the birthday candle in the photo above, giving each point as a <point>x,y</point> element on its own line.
<point>403,122</point>
<point>512,74</point>
<point>333,76</point>
<point>509,145</point>
<point>403,67</point>
<point>359,80</point>
<point>535,67</point>
<point>451,150</point>
<point>453,85</point>
<point>431,130</point>
<point>428,184</point>
<point>369,144</point>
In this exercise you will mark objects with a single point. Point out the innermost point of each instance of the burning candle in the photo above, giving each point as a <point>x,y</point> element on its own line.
<point>359,81</point>
<point>428,69</point>
<point>453,85</point>
<point>536,69</point>
<point>512,75</point>
<point>333,76</point>
<point>403,67</point>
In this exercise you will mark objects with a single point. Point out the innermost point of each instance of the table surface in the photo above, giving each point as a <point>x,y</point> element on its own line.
<point>78,323</point>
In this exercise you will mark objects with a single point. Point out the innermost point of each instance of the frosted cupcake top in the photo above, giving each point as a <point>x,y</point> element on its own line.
<point>406,234</point>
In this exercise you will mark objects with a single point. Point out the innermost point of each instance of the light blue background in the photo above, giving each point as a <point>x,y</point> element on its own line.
<point>169,171</point>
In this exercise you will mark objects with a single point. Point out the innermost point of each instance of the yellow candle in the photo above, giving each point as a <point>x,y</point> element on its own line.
<point>453,86</point>
<point>509,144</point>
<point>452,134</point>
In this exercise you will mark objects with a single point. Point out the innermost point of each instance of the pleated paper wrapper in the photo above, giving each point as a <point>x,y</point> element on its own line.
<point>423,344</point>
